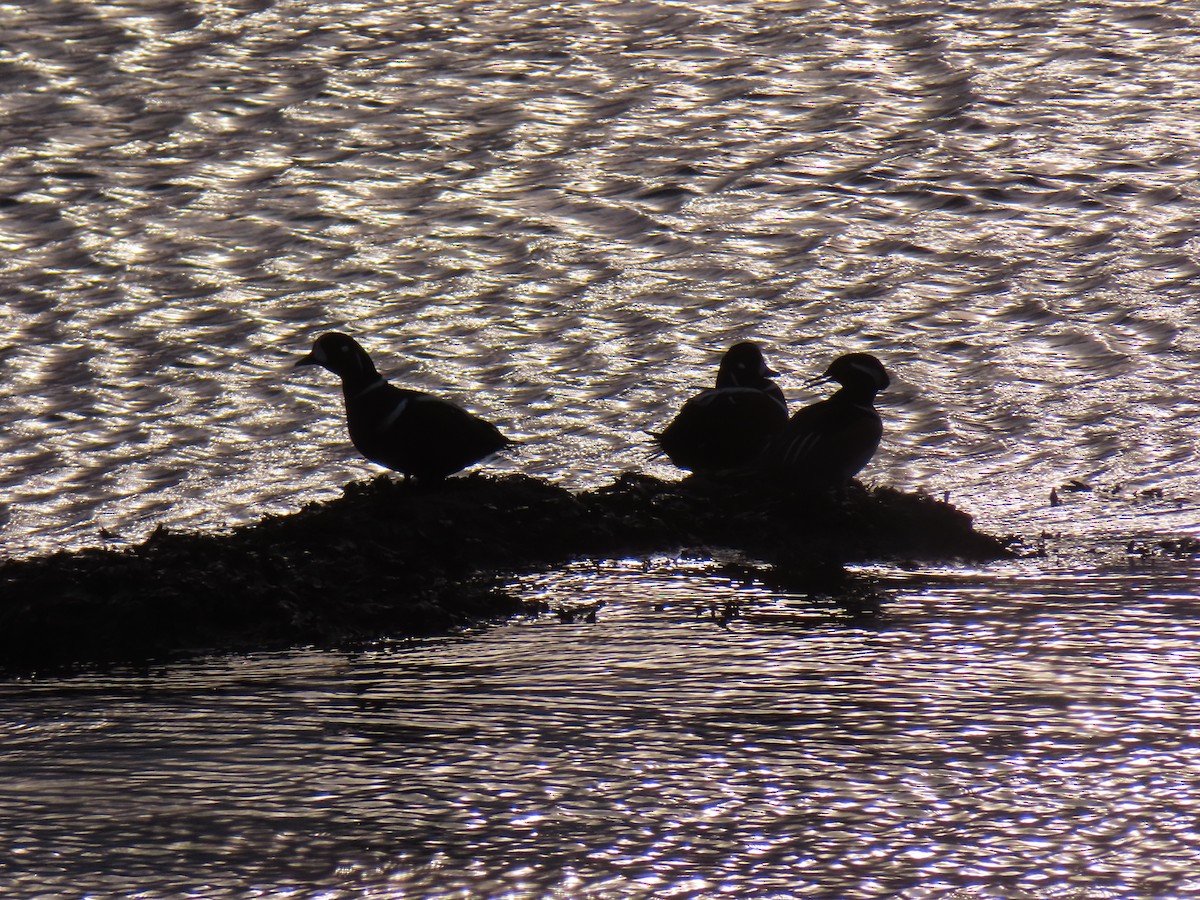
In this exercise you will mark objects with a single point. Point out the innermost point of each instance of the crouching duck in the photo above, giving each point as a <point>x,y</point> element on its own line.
<point>727,426</point>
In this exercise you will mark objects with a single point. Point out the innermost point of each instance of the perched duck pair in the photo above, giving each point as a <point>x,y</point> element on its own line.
<point>741,423</point>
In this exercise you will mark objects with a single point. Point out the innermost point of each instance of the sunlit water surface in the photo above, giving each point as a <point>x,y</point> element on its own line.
<point>1024,734</point>
<point>560,215</point>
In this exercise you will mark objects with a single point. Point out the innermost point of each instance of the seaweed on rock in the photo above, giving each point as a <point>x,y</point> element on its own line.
<point>392,559</point>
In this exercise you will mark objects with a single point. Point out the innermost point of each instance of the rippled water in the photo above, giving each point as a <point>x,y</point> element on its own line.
<point>1023,734</point>
<point>560,215</point>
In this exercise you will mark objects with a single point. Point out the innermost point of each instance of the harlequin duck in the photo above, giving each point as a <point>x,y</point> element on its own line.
<point>824,445</point>
<point>409,431</point>
<point>727,426</point>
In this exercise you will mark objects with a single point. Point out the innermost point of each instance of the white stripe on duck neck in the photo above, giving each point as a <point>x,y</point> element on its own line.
<point>394,414</point>
<point>374,385</point>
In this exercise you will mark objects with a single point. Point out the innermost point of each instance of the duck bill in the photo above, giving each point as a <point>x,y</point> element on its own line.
<point>317,357</point>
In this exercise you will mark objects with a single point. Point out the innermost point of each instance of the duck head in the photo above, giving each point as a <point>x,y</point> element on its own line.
<point>743,365</point>
<point>342,355</point>
<point>860,371</point>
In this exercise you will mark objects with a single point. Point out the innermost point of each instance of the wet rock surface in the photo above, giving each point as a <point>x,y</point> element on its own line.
<point>393,559</point>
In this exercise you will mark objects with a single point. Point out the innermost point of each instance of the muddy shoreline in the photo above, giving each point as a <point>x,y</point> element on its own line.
<point>389,560</point>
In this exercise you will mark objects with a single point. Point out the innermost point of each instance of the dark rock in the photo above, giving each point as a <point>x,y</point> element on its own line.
<point>391,559</point>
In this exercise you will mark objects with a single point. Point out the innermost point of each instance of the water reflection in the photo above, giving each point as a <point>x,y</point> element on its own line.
<point>1025,733</point>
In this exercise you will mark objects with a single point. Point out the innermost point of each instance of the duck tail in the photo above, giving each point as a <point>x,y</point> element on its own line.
<point>655,436</point>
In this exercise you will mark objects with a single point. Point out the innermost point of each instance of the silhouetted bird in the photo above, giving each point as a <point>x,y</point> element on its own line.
<point>824,445</point>
<point>409,431</point>
<point>744,366</point>
<point>726,427</point>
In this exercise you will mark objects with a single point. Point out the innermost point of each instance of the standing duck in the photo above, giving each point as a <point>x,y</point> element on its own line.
<point>824,445</point>
<point>408,431</point>
<point>727,426</point>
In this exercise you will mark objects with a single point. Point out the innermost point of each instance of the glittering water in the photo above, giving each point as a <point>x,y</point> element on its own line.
<point>560,215</point>
<point>1019,734</point>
